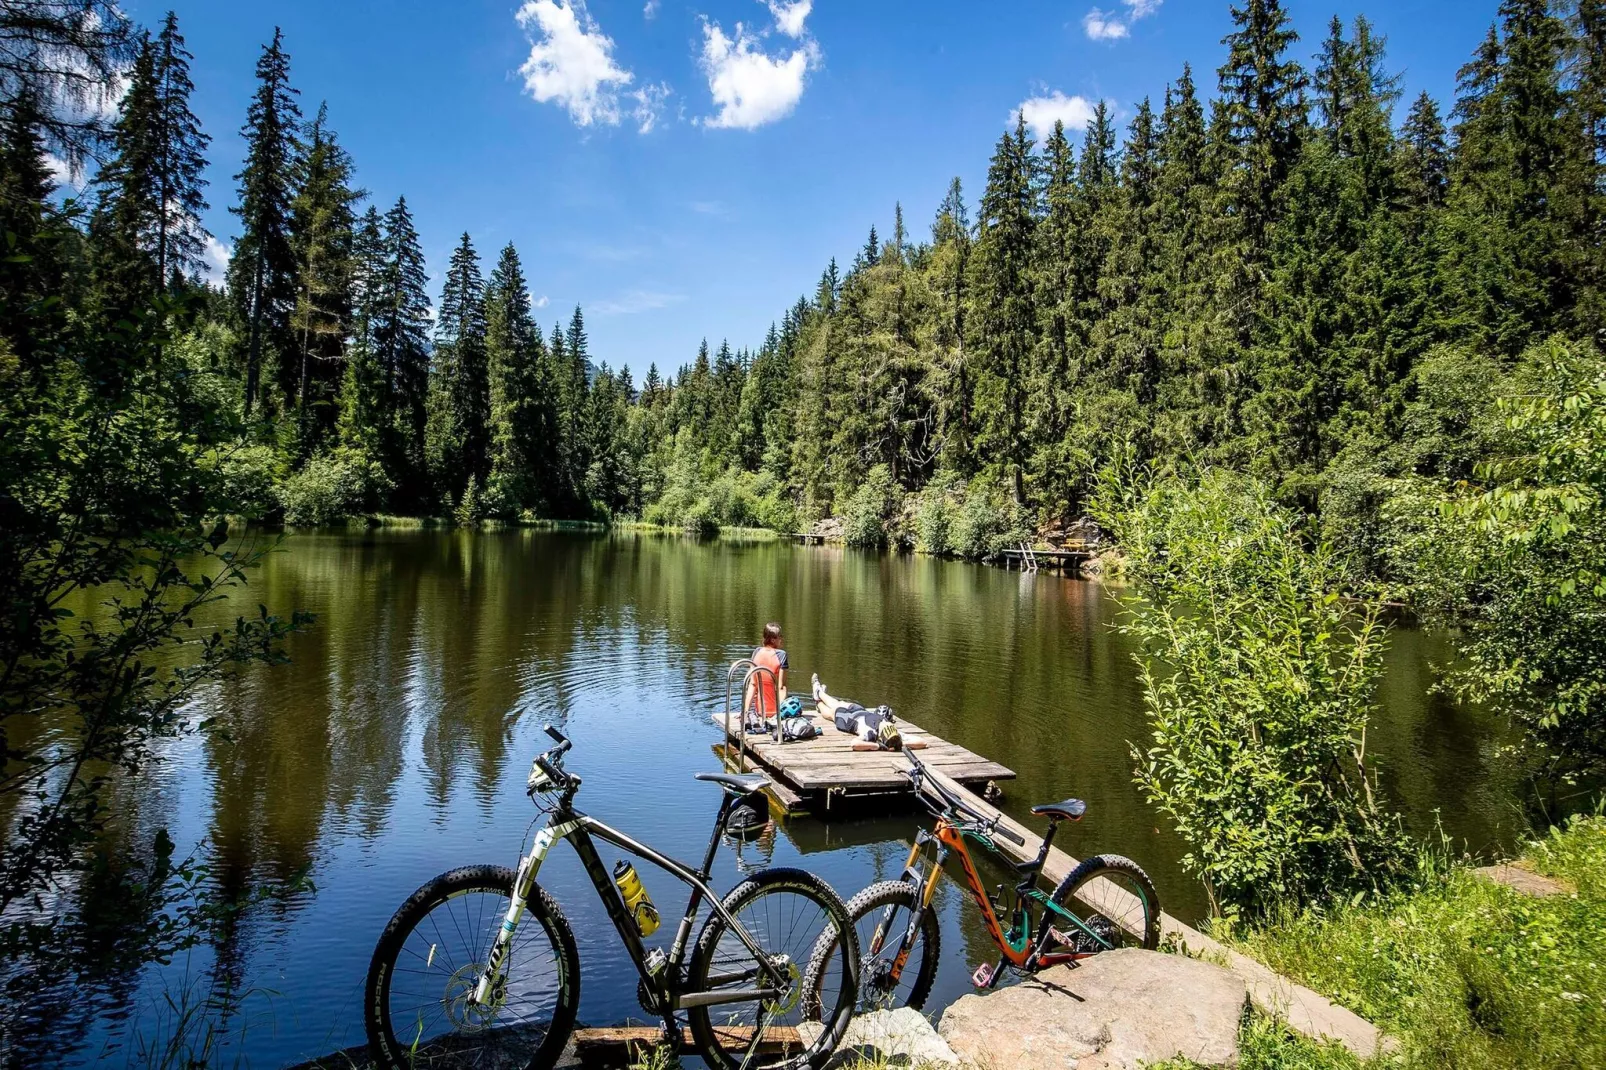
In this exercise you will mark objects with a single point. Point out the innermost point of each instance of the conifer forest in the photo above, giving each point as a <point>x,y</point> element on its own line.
<point>1274,318</point>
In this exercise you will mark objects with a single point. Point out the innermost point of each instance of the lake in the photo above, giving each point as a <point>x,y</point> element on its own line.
<point>393,747</point>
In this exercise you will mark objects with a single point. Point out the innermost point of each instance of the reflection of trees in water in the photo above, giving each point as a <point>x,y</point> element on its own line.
<point>427,643</point>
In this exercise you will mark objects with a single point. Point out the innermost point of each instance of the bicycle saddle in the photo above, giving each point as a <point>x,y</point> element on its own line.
<point>737,783</point>
<point>1071,808</point>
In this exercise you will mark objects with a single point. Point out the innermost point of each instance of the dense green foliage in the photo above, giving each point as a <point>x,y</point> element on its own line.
<point>120,456</point>
<point>1259,680</point>
<point>1267,280</point>
<point>1463,971</point>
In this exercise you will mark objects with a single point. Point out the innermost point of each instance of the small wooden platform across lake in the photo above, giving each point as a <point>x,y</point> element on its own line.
<point>824,772</point>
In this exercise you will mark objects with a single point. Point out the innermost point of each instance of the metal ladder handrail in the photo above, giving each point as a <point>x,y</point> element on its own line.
<point>751,671</point>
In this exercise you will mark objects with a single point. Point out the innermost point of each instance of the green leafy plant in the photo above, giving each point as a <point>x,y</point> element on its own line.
<point>1259,677</point>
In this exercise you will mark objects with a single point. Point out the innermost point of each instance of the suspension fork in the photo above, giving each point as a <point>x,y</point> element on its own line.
<point>523,883</point>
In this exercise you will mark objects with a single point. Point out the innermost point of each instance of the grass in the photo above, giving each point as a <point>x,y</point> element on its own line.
<point>1462,971</point>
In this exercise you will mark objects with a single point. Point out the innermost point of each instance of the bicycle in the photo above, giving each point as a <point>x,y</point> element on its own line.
<point>1105,902</point>
<point>479,966</point>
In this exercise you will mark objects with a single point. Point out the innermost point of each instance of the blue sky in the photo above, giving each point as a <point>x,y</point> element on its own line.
<point>685,168</point>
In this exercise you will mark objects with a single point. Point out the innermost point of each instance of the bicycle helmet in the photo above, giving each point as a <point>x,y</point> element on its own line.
<point>792,707</point>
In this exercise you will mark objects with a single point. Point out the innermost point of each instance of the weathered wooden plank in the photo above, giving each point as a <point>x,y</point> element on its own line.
<point>621,1046</point>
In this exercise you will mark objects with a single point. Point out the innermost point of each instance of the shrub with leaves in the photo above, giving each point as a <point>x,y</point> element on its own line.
<point>1259,678</point>
<point>1517,558</point>
<point>333,486</point>
<point>867,520</point>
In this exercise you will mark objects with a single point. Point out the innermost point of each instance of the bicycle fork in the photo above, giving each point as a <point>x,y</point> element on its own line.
<point>523,881</point>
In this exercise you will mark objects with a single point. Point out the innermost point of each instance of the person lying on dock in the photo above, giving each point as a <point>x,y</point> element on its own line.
<point>766,691</point>
<point>876,726</point>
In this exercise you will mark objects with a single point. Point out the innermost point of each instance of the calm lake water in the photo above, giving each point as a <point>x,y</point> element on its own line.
<point>392,748</point>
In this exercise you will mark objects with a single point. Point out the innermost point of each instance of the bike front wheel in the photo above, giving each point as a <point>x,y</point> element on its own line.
<point>786,914</point>
<point>1115,903</point>
<point>891,975</point>
<point>420,1003</point>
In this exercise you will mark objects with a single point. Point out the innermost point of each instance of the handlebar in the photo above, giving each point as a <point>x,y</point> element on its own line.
<point>990,825</point>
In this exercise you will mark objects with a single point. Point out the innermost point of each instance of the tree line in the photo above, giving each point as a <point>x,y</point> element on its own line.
<point>1262,278</point>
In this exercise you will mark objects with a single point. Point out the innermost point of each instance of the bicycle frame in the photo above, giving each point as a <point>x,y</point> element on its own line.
<point>1025,954</point>
<point>579,829</point>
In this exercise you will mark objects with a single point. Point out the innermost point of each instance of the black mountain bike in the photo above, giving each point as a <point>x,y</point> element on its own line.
<point>479,967</point>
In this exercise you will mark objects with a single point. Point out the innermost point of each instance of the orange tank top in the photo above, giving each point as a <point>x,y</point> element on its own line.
<point>773,659</point>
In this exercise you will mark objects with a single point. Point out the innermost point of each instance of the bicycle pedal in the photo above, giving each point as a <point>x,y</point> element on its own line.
<point>983,975</point>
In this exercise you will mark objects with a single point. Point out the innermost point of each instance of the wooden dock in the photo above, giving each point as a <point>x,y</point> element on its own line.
<point>823,773</point>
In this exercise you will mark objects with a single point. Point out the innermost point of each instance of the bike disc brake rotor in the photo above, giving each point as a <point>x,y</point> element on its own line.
<point>466,1015</point>
<point>788,1000</point>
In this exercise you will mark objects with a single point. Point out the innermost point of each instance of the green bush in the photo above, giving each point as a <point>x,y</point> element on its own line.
<point>247,474</point>
<point>1516,558</point>
<point>936,514</point>
<point>1259,680</point>
<point>988,522</point>
<point>868,519</point>
<point>332,487</point>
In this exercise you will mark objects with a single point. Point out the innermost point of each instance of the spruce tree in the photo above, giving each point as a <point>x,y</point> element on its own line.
<point>460,374</point>
<point>262,271</point>
<point>322,222</point>
<point>525,459</point>
<point>179,158</point>
<point>126,214</point>
<point>950,271</point>
<point>1263,92</point>
<point>32,315</point>
<point>1004,319</point>
<point>400,326</point>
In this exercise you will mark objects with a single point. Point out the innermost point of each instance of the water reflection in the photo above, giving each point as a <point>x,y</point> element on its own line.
<point>391,749</point>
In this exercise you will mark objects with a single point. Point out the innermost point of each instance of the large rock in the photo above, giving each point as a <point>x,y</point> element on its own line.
<point>901,1037</point>
<point>1119,1009</point>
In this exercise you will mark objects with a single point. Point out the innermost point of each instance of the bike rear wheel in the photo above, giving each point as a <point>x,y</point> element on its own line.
<point>1115,902</point>
<point>788,914</point>
<point>417,1003</point>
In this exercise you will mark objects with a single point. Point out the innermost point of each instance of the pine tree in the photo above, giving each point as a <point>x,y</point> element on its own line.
<point>179,158</point>
<point>262,270</point>
<point>1003,323</point>
<point>1263,91</point>
<point>400,326</point>
<point>322,221</point>
<point>30,321</point>
<point>460,377</point>
<point>126,213</point>
<point>525,459</point>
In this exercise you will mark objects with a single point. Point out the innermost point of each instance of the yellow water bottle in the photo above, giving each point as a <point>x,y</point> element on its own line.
<point>635,897</point>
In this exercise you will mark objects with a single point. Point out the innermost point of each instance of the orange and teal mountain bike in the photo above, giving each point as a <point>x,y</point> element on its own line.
<point>1104,903</point>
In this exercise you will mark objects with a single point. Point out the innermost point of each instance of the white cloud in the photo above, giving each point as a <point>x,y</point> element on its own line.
<point>1042,112</point>
<point>61,172</point>
<point>1101,25</point>
<point>651,10</point>
<point>633,301</point>
<point>215,260</point>
<point>649,106</point>
<point>571,62</point>
<point>789,17</point>
<point>542,301</point>
<point>749,86</point>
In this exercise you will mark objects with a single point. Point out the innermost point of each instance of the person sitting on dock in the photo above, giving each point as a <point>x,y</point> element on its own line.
<point>766,691</point>
<point>876,726</point>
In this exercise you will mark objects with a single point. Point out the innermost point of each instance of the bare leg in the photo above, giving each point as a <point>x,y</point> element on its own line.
<point>822,700</point>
